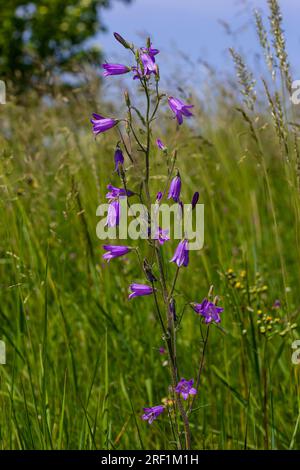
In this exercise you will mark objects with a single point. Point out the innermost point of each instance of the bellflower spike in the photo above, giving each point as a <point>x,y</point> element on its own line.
<point>138,290</point>
<point>185,388</point>
<point>115,69</point>
<point>150,414</point>
<point>113,214</point>
<point>119,159</point>
<point>181,256</point>
<point>175,188</point>
<point>209,311</point>
<point>161,145</point>
<point>179,109</point>
<point>102,124</point>
<point>114,251</point>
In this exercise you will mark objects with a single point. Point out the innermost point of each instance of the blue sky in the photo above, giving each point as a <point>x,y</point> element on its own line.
<point>194,27</point>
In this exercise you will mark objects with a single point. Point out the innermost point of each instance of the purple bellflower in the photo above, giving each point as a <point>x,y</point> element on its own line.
<point>181,256</point>
<point>161,145</point>
<point>150,51</point>
<point>175,188</point>
<point>115,69</point>
<point>162,236</point>
<point>185,388</point>
<point>149,65</point>
<point>114,251</point>
<point>119,159</point>
<point>102,124</point>
<point>208,310</point>
<point>113,213</point>
<point>138,290</point>
<point>150,414</point>
<point>179,109</point>
<point>114,192</point>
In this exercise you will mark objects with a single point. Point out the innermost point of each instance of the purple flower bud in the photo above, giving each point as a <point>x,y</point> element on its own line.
<point>159,196</point>
<point>115,69</point>
<point>138,290</point>
<point>150,414</point>
<point>208,310</point>
<point>102,124</point>
<point>114,251</point>
<point>119,158</point>
<point>162,350</point>
<point>195,199</point>
<point>185,388</point>
<point>179,109</point>
<point>121,40</point>
<point>181,256</point>
<point>175,188</point>
<point>161,145</point>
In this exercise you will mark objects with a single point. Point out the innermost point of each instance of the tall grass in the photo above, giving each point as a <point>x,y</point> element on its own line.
<point>81,360</point>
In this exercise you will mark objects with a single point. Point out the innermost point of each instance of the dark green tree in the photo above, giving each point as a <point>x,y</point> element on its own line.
<point>46,35</point>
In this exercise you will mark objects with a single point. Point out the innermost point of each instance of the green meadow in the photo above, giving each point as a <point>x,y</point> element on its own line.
<point>81,359</point>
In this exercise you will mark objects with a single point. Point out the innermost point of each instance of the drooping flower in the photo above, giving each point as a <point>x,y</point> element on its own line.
<point>162,236</point>
<point>114,251</point>
<point>119,158</point>
<point>113,213</point>
<point>115,69</point>
<point>208,310</point>
<point>162,350</point>
<point>195,199</point>
<point>161,145</point>
<point>185,388</point>
<point>175,188</point>
<point>181,256</point>
<point>150,414</point>
<point>114,192</point>
<point>102,124</point>
<point>138,290</point>
<point>179,109</point>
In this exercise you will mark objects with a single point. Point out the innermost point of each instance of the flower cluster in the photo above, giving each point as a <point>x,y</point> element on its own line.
<point>145,70</point>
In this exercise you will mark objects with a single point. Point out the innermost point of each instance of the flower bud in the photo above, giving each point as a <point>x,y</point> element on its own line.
<point>127,98</point>
<point>122,41</point>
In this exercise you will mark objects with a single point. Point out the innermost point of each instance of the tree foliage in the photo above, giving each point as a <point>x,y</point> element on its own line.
<point>38,36</point>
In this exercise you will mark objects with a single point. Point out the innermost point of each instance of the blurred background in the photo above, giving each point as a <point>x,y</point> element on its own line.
<point>58,39</point>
